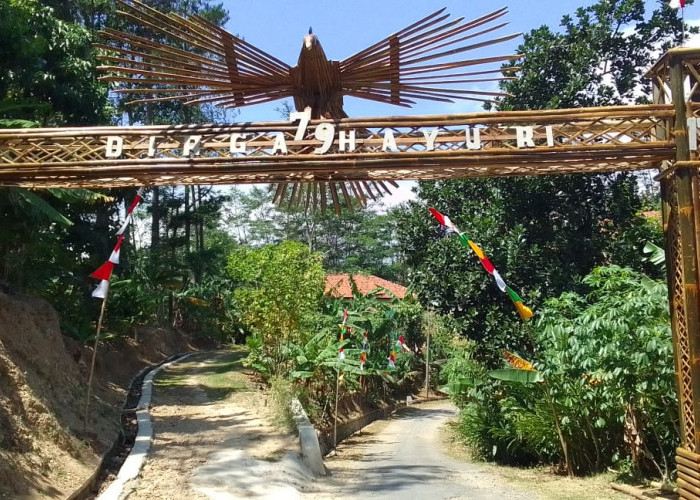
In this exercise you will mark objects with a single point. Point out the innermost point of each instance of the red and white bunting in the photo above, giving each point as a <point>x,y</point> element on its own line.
<point>104,272</point>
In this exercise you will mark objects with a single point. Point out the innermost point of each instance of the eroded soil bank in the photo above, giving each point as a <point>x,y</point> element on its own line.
<point>44,449</point>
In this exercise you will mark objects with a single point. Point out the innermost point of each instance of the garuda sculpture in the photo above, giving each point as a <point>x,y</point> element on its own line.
<point>197,62</point>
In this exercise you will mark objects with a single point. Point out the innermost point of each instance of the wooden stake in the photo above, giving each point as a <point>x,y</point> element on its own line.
<point>92,364</point>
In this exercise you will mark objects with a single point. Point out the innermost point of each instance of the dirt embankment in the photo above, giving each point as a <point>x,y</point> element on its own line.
<point>44,451</point>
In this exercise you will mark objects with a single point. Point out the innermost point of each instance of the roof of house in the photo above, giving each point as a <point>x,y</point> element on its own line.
<point>338,285</point>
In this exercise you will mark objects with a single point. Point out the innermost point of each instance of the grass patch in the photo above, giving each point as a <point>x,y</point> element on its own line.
<point>218,376</point>
<point>219,386</point>
<point>221,378</point>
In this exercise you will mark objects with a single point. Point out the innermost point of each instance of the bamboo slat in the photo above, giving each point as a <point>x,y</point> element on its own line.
<point>687,495</point>
<point>686,486</point>
<point>689,471</point>
<point>689,479</point>
<point>689,455</point>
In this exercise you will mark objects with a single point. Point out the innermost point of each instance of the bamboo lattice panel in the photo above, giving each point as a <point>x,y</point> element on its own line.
<point>683,358</point>
<point>562,141</point>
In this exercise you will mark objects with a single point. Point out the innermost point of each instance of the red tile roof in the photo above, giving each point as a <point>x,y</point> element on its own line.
<point>338,285</point>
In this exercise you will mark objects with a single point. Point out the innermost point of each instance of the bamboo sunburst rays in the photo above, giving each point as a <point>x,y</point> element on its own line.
<point>196,62</point>
<point>193,61</point>
<point>401,68</point>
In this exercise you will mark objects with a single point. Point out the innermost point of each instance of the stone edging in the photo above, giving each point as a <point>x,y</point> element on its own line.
<point>308,439</point>
<point>133,463</point>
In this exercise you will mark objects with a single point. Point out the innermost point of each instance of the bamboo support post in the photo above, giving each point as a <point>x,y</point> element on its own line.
<point>681,212</point>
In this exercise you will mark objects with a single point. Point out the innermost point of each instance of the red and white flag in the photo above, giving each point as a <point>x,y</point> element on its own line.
<point>675,4</point>
<point>104,272</point>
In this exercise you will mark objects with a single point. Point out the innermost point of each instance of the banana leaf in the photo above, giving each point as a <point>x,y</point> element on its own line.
<point>515,375</point>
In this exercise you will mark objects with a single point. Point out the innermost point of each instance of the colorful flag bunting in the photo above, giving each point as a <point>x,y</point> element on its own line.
<point>524,311</point>
<point>341,354</point>
<point>125,224</point>
<point>115,253</point>
<point>517,362</point>
<point>363,355</point>
<point>136,201</point>
<point>104,272</point>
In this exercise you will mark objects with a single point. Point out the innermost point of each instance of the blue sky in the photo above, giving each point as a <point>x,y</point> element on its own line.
<point>344,28</point>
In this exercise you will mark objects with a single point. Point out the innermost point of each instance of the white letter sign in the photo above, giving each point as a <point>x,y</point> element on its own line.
<point>280,144</point>
<point>524,136</point>
<point>238,147</point>
<point>191,146</point>
<point>430,139</point>
<point>389,141</point>
<point>114,147</point>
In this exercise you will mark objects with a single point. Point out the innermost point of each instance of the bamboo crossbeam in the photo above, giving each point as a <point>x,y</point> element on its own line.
<point>572,117</point>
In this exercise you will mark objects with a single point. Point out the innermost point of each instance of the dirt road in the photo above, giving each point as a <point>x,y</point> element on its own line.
<point>405,458</point>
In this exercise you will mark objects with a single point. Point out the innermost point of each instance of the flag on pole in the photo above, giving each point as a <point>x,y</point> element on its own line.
<point>104,272</point>
<point>524,311</point>
<point>101,291</point>
<point>675,4</point>
<point>342,326</point>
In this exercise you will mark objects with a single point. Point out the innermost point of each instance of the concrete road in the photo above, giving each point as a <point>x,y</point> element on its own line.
<point>404,458</point>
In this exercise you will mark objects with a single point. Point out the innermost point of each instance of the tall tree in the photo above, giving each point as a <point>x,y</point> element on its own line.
<point>543,232</point>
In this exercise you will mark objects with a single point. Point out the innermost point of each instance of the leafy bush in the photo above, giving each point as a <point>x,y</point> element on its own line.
<point>608,394</point>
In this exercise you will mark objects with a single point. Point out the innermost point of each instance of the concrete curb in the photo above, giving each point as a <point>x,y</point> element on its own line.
<point>133,463</point>
<point>308,439</point>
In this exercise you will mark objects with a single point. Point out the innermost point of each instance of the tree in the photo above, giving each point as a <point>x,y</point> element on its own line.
<point>47,68</point>
<point>277,286</point>
<point>358,240</point>
<point>544,233</point>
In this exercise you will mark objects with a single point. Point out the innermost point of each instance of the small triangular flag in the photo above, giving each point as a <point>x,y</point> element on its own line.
<point>104,272</point>
<point>114,257</point>
<point>101,291</point>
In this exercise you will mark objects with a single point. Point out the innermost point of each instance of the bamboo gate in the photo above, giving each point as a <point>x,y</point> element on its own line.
<point>362,155</point>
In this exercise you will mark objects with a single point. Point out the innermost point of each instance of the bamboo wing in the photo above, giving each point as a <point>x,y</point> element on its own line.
<point>190,60</point>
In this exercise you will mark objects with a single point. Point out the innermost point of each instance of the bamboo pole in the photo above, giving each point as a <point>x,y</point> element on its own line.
<point>335,412</point>
<point>688,243</point>
<point>92,364</point>
<point>427,355</point>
